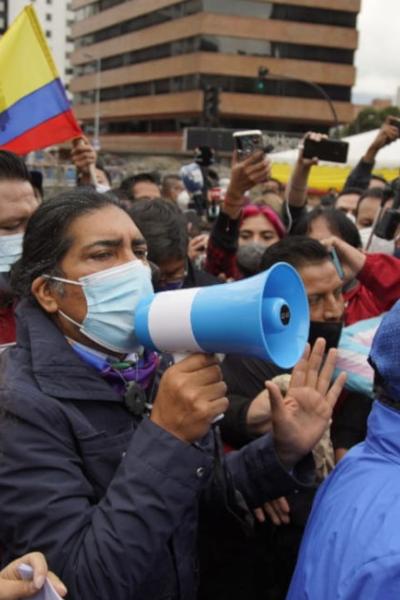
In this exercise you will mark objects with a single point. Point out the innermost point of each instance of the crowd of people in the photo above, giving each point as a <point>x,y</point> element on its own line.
<point>113,468</point>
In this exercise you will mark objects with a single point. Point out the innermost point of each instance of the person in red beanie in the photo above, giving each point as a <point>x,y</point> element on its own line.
<point>256,227</point>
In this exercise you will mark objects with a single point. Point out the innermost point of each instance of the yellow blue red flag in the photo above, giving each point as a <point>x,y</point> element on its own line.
<point>34,109</point>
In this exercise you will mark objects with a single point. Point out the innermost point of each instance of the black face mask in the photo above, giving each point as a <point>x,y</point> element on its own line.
<point>328,330</point>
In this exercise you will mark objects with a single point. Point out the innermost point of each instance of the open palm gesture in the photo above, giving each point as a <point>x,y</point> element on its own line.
<point>300,419</point>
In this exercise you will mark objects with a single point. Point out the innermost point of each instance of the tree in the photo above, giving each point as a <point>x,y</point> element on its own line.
<point>370,118</point>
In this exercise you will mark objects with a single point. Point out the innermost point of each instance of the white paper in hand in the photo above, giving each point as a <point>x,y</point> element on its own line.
<point>46,593</point>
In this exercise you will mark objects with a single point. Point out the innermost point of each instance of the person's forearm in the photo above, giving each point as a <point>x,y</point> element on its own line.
<point>259,474</point>
<point>360,176</point>
<point>296,190</point>
<point>233,204</point>
<point>370,155</point>
<point>222,246</point>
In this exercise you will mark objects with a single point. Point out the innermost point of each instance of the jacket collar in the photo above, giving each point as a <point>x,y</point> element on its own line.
<point>384,431</point>
<point>58,370</point>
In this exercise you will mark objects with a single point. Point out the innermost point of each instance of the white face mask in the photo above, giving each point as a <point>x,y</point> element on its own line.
<point>10,250</point>
<point>112,296</point>
<point>102,188</point>
<point>377,244</point>
<point>183,200</point>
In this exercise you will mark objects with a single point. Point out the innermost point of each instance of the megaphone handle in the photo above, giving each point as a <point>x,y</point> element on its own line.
<point>178,356</point>
<point>217,419</point>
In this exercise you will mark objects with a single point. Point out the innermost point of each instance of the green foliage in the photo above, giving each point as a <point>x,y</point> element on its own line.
<point>370,118</point>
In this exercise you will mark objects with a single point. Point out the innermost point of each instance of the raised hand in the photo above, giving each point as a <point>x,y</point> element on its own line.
<point>307,163</point>
<point>296,189</point>
<point>300,419</point>
<point>245,175</point>
<point>197,246</point>
<point>84,156</point>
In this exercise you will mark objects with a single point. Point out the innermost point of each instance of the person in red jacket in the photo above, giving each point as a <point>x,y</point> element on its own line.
<point>371,281</point>
<point>377,287</point>
<point>17,203</point>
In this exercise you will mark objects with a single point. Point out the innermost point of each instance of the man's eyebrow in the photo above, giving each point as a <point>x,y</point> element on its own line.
<point>107,243</point>
<point>139,242</point>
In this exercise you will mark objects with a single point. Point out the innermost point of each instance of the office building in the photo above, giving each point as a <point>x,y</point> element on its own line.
<point>151,60</point>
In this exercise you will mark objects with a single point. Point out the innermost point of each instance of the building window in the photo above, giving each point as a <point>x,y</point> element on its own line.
<point>48,33</point>
<point>49,17</point>
<point>240,85</point>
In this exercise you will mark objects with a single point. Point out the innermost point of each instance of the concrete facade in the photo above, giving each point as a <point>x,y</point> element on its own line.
<point>156,56</point>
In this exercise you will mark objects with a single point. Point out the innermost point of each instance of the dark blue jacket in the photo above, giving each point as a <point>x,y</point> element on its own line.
<point>111,501</point>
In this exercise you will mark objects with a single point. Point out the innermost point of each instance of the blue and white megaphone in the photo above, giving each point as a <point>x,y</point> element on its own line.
<point>265,316</point>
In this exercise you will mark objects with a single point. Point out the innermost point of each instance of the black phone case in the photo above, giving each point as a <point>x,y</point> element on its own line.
<point>332,150</point>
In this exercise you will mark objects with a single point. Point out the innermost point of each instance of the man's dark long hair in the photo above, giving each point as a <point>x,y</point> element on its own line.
<point>46,241</point>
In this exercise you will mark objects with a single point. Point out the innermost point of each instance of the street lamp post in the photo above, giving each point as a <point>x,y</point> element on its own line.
<point>96,130</point>
<point>264,73</point>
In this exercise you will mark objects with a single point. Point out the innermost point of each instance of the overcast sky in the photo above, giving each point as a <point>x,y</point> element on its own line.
<point>378,56</point>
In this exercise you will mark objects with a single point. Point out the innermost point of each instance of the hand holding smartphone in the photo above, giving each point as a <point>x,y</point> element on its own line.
<point>325,149</point>
<point>248,142</point>
<point>394,122</point>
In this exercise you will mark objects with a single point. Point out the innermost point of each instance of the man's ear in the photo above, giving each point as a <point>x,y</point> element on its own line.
<point>43,292</point>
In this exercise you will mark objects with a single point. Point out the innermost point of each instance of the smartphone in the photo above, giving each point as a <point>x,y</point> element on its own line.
<point>394,122</point>
<point>331,150</point>
<point>248,142</point>
<point>337,263</point>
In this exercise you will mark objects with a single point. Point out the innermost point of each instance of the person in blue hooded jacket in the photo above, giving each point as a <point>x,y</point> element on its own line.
<point>106,486</point>
<point>351,547</point>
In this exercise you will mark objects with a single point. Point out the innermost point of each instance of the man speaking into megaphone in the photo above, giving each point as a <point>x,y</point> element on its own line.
<point>114,493</point>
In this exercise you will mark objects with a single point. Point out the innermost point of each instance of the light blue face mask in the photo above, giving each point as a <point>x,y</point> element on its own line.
<point>112,296</point>
<point>10,250</point>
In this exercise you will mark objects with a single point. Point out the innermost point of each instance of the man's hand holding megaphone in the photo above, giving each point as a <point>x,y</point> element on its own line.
<point>190,396</point>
